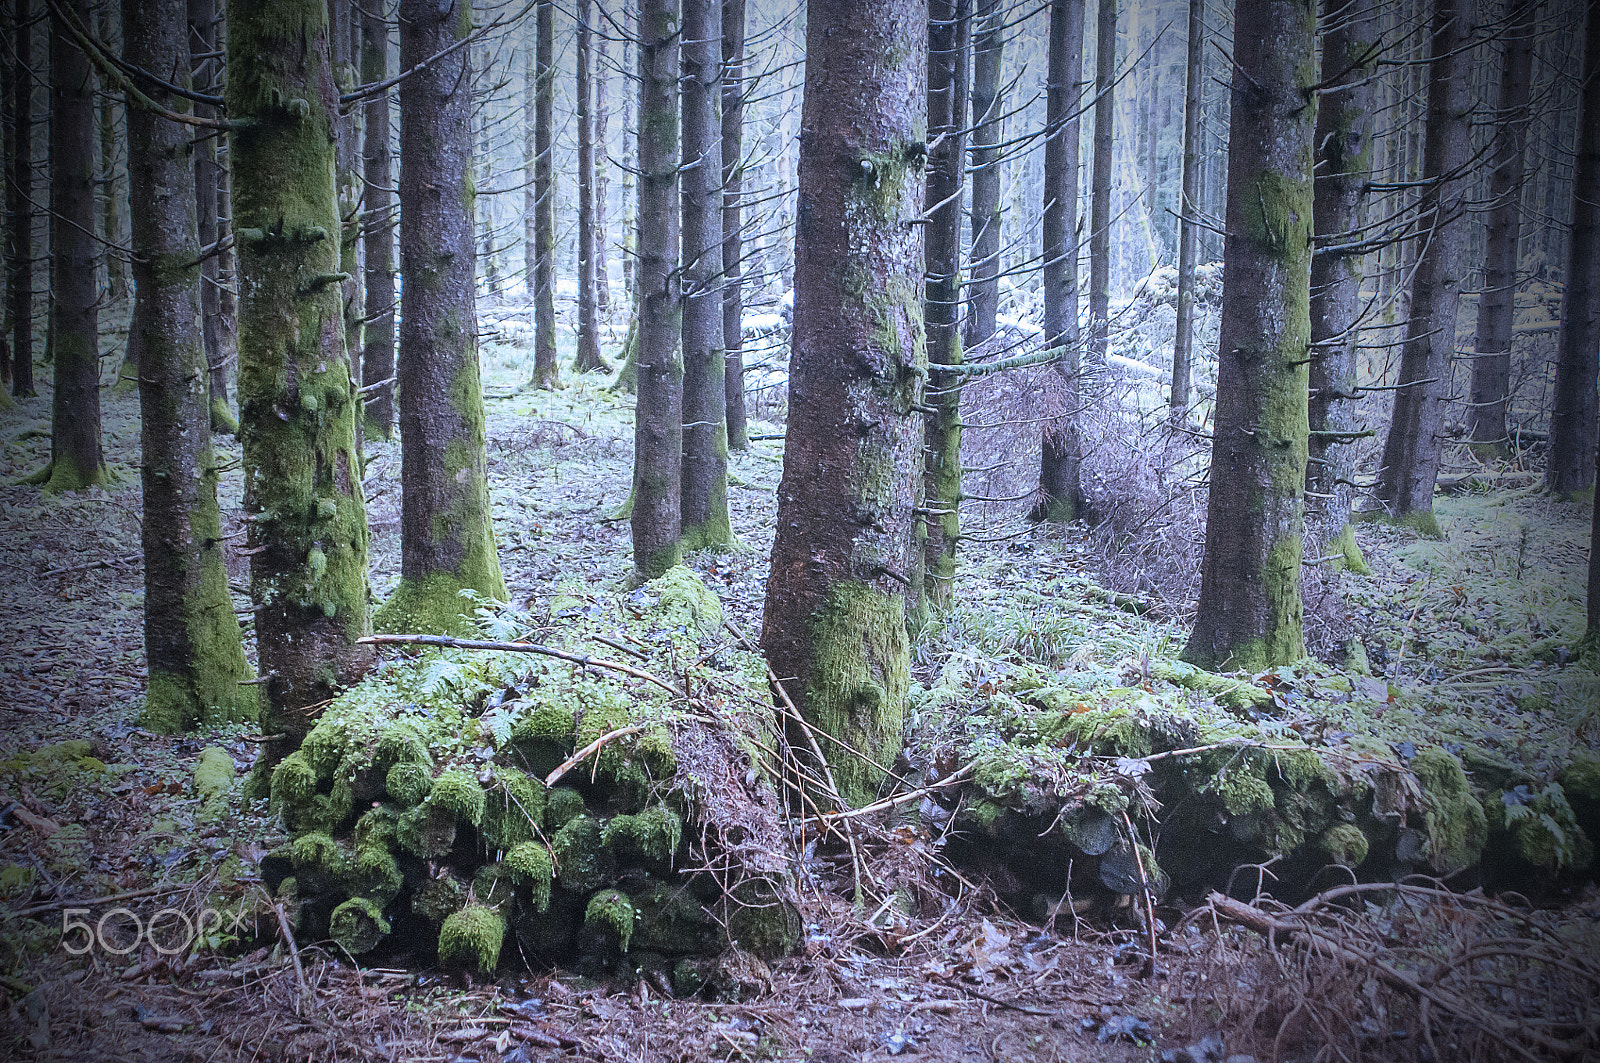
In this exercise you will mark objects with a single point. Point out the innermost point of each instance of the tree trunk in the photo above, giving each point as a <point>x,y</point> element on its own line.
<point>1572,420</point>
<point>1188,209</point>
<point>378,220</point>
<point>204,73</point>
<point>1249,613</point>
<point>76,460</point>
<point>546,373</point>
<point>446,533</point>
<point>602,149</point>
<point>347,158</point>
<point>110,185</point>
<point>658,399</point>
<point>705,427</point>
<point>1061,454</point>
<point>191,635</point>
<point>588,356</point>
<point>7,147</point>
<point>948,22</point>
<point>1491,368</point>
<point>1591,638</point>
<point>835,605</point>
<point>297,409</point>
<point>1415,441</point>
<point>988,128</point>
<point>733,87</point>
<point>19,202</point>
<point>491,264</point>
<point>1344,168</point>
<point>1105,109</point>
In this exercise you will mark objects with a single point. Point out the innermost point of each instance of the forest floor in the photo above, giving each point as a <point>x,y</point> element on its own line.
<point>112,834</point>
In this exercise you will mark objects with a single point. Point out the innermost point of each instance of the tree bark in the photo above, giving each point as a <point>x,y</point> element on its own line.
<point>1249,613</point>
<point>1061,454</point>
<point>491,264</point>
<point>948,28</point>
<point>19,202</point>
<point>204,71</point>
<point>988,128</point>
<point>546,373</point>
<point>347,158</point>
<point>1188,208</point>
<point>658,399</point>
<point>191,635</point>
<point>1344,169</point>
<point>446,532</point>
<point>297,409</point>
<point>588,356</point>
<point>705,427</point>
<point>378,221</point>
<point>76,460</point>
<point>602,149</point>
<point>1572,420</point>
<point>1491,368</point>
<point>835,604</point>
<point>1105,110</point>
<point>1412,449</point>
<point>110,184</point>
<point>733,88</point>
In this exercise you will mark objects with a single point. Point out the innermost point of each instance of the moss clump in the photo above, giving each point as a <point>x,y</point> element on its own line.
<point>458,793</point>
<point>358,925</point>
<point>437,898</point>
<point>1344,843</point>
<point>408,784</point>
<point>294,783</point>
<point>513,810</point>
<point>377,827</point>
<point>495,886</point>
<point>532,868</point>
<point>670,919</point>
<point>1455,821</point>
<point>435,605</point>
<point>1242,791</point>
<point>686,603</point>
<point>650,837</point>
<point>402,743</point>
<point>426,831</point>
<point>471,938</point>
<point>213,773</point>
<point>561,806</point>
<point>1544,828</point>
<point>583,864</point>
<point>611,912</point>
<point>763,917</point>
<point>375,874</point>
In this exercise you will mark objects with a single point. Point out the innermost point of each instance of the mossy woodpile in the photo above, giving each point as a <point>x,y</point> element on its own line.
<point>421,822</point>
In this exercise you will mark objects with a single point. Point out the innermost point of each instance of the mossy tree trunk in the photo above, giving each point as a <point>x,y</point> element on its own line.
<point>1491,365</point>
<point>988,128</point>
<point>733,89</point>
<point>835,616</point>
<point>446,533</point>
<point>1572,420</point>
<point>949,23</point>
<point>1188,212</point>
<point>588,355</point>
<point>1249,614</point>
<point>546,373</point>
<point>347,160</point>
<point>297,407</point>
<point>705,427</point>
<point>1415,440</point>
<point>206,74</point>
<point>191,635</point>
<point>1344,162</point>
<point>19,198</point>
<point>1105,110</point>
<point>377,237</point>
<point>658,389</point>
<point>1061,450</point>
<point>76,460</point>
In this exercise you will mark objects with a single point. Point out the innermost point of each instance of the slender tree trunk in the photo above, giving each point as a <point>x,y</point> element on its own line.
<point>347,158</point>
<point>378,221</point>
<point>1344,169</point>
<point>658,411</point>
<point>8,130</point>
<point>203,67</point>
<point>1412,450</point>
<point>19,203</point>
<point>630,158</point>
<point>948,22</point>
<point>110,185</point>
<point>530,156</point>
<point>988,128</point>
<point>588,356</point>
<point>835,615</point>
<point>297,409</point>
<point>705,425</point>
<point>1188,208</point>
<point>1491,368</point>
<point>191,635</point>
<point>1249,613</point>
<point>76,460</point>
<point>1572,420</point>
<point>491,265</point>
<point>733,88</point>
<point>1105,109</point>
<point>602,168</point>
<point>1061,453</point>
<point>546,373</point>
<point>1591,639</point>
<point>446,533</point>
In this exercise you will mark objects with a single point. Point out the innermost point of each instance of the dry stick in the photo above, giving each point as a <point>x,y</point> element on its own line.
<point>900,799</point>
<point>446,642</point>
<point>294,954</point>
<point>90,902</point>
<point>1149,901</point>
<point>578,757</point>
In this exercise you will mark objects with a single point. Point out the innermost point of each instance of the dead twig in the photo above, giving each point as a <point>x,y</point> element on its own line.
<point>578,757</point>
<point>582,660</point>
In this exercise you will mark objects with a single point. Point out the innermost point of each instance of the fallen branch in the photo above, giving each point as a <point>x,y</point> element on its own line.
<point>578,757</point>
<point>583,660</point>
<point>294,954</point>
